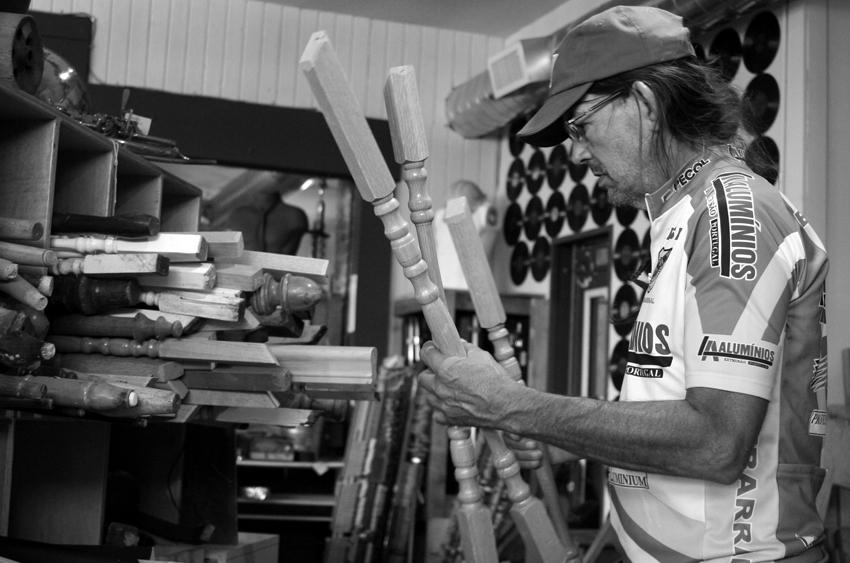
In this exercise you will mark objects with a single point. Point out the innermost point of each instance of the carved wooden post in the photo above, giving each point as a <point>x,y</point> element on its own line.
<point>363,157</point>
<point>491,316</point>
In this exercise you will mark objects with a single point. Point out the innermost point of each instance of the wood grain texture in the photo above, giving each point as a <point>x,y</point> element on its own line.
<point>191,275</point>
<point>280,264</point>
<point>491,315</point>
<point>113,265</point>
<point>161,370</point>
<point>345,118</point>
<point>349,128</point>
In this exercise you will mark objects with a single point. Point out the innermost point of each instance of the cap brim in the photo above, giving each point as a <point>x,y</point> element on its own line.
<point>545,128</point>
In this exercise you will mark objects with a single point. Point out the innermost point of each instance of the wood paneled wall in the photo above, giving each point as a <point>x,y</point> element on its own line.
<point>248,50</point>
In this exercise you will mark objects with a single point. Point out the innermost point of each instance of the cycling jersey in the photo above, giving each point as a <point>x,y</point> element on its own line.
<point>735,302</point>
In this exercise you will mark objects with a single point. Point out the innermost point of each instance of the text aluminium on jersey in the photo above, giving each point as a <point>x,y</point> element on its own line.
<point>732,226</point>
<point>736,351</point>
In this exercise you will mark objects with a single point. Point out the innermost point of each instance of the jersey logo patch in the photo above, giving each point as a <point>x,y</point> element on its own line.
<point>751,354</point>
<point>663,254</point>
<point>732,226</point>
<point>628,479</point>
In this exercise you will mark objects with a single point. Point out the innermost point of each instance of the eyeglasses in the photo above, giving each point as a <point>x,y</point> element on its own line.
<point>576,132</point>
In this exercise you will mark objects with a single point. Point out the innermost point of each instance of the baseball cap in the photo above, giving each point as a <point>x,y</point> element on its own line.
<point>617,40</point>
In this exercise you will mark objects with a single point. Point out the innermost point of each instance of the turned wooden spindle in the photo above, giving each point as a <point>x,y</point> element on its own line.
<point>293,294</point>
<point>492,317</point>
<point>21,387</point>
<point>89,296</point>
<point>175,349</point>
<point>410,148</point>
<point>86,394</point>
<point>371,175</point>
<point>184,247</point>
<point>138,328</point>
<point>24,292</point>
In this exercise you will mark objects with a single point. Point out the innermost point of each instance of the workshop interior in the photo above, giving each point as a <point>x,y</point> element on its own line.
<point>209,348</point>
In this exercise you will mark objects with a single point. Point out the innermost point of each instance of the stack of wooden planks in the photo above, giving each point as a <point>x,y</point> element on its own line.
<point>147,325</point>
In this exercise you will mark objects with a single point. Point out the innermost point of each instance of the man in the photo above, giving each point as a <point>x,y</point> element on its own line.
<point>714,446</point>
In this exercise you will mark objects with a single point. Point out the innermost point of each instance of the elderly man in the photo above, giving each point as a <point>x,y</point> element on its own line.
<point>714,446</point>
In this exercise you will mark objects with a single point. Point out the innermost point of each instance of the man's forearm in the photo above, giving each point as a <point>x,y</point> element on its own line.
<point>669,437</point>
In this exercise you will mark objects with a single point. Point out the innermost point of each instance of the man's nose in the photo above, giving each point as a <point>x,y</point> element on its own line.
<point>577,151</point>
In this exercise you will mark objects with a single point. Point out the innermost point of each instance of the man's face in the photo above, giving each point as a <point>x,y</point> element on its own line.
<point>614,146</point>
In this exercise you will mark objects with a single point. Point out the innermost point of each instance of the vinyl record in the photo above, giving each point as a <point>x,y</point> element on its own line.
<point>514,143</point>
<point>727,48</point>
<point>577,171</point>
<point>578,207</point>
<point>534,216</point>
<point>536,171</point>
<point>626,254</point>
<point>767,150</point>
<point>626,215</point>
<point>516,179</point>
<point>600,207</point>
<point>556,210</point>
<point>619,361</point>
<point>761,42</point>
<point>763,93</point>
<point>625,309</point>
<point>540,259</point>
<point>512,226</point>
<point>519,263</point>
<point>557,169</point>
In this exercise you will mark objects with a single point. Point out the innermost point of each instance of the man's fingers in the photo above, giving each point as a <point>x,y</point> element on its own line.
<point>432,356</point>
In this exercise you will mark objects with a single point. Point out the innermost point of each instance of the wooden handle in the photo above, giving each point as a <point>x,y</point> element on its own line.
<point>8,269</point>
<point>492,317</point>
<point>86,394</point>
<point>410,146</point>
<point>31,256</point>
<point>82,294</point>
<point>20,229</point>
<point>24,292</point>
<point>138,328</point>
<point>360,150</point>
<point>21,387</point>
<point>134,225</point>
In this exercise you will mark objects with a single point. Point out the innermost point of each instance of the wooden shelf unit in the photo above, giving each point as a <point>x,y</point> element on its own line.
<point>54,489</point>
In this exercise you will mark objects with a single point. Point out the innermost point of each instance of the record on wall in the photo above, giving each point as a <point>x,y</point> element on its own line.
<point>536,172</point>
<point>626,214</point>
<point>512,225</point>
<point>534,216</point>
<point>558,167</point>
<point>578,207</point>
<point>763,93</point>
<point>556,210</point>
<point>763,147</point>
<point>626,254</point>
<point>577,171</point>
<point>625,309</point>
<point>618,363</point>
<point>516,179</point>
<point>540,259</point>
<point>727,48</point>
<point>761,42</point>
<point>519,263</point>
<point>600,207</point>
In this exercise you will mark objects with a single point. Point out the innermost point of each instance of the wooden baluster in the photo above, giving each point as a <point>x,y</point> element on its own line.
<point>361,153</point>
<point>491,316</point>
<point>410,147</point>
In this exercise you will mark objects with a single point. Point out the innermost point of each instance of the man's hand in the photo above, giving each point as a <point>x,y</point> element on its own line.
<point>470,391</point>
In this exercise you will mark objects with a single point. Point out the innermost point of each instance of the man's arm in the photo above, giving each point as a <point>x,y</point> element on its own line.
<point>707,435</point>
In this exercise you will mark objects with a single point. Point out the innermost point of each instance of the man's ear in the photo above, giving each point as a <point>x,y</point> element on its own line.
<point>647,102</point>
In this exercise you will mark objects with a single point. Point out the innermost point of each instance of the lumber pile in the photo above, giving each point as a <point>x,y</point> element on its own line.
<point>126,323</point>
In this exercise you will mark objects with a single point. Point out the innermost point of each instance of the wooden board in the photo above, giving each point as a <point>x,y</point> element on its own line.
<point>223,244</point>
<point>279,264</point>
<point>191,275</point>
